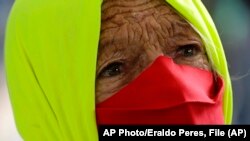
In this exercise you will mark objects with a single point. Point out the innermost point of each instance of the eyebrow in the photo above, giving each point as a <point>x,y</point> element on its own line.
<point>107,53</point>
<point>109,42</point>
<point>114,47</point>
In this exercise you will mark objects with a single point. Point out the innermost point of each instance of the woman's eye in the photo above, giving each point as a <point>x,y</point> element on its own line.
<point>187,51</point>
<point>112,70</point>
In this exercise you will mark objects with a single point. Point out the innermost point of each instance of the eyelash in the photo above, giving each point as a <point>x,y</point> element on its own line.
<point>116,68</point>
<point>187,51</point>
<point>113,69</point>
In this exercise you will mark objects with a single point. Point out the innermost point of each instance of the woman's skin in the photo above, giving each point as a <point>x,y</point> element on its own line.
<point>133,34</point>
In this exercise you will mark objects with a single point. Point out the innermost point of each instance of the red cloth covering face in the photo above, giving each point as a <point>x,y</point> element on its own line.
<point>166,93</point>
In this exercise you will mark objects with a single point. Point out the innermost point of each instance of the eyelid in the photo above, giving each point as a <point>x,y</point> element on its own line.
<point>195,46</point>
<point>107,63</point>
<point>104,59</point>
<point>192,42</point>
<point>106,70</point>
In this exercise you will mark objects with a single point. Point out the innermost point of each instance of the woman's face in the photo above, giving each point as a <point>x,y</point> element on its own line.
<point>133,34</point>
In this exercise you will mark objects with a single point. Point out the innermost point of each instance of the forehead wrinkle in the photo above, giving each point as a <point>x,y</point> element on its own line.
<point>118,40</point>
<point>129,34</point>
<point>109,4</point>
<point>114,36</point>
<point>112,25</point>
<point>168,25</point>
<point>111,48</point>
<point>124,7</point>
<point>107,37</point>
<point>106,4</point>
<point>132,17</point>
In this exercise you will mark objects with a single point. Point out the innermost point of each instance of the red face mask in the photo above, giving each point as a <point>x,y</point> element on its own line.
<point>165,93</point>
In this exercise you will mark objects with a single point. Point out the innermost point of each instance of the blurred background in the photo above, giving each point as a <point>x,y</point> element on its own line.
<point>8,130</point>
<point>232,19</point>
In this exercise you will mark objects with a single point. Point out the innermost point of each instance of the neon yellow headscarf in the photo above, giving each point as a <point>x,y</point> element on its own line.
<point>50,58</point>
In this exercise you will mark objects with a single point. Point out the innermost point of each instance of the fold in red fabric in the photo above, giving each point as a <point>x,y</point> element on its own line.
<point>166,93</point>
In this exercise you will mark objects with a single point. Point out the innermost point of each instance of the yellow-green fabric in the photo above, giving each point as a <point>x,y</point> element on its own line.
<point>195,12</point>
<point>50,57</point>
<point>50,60</point>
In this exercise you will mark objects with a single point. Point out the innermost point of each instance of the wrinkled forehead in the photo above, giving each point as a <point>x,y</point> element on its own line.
<point>137,9</point>
<point>138,21</point>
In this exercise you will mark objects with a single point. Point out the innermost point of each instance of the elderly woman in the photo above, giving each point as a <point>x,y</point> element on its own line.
<point>158,62</point>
